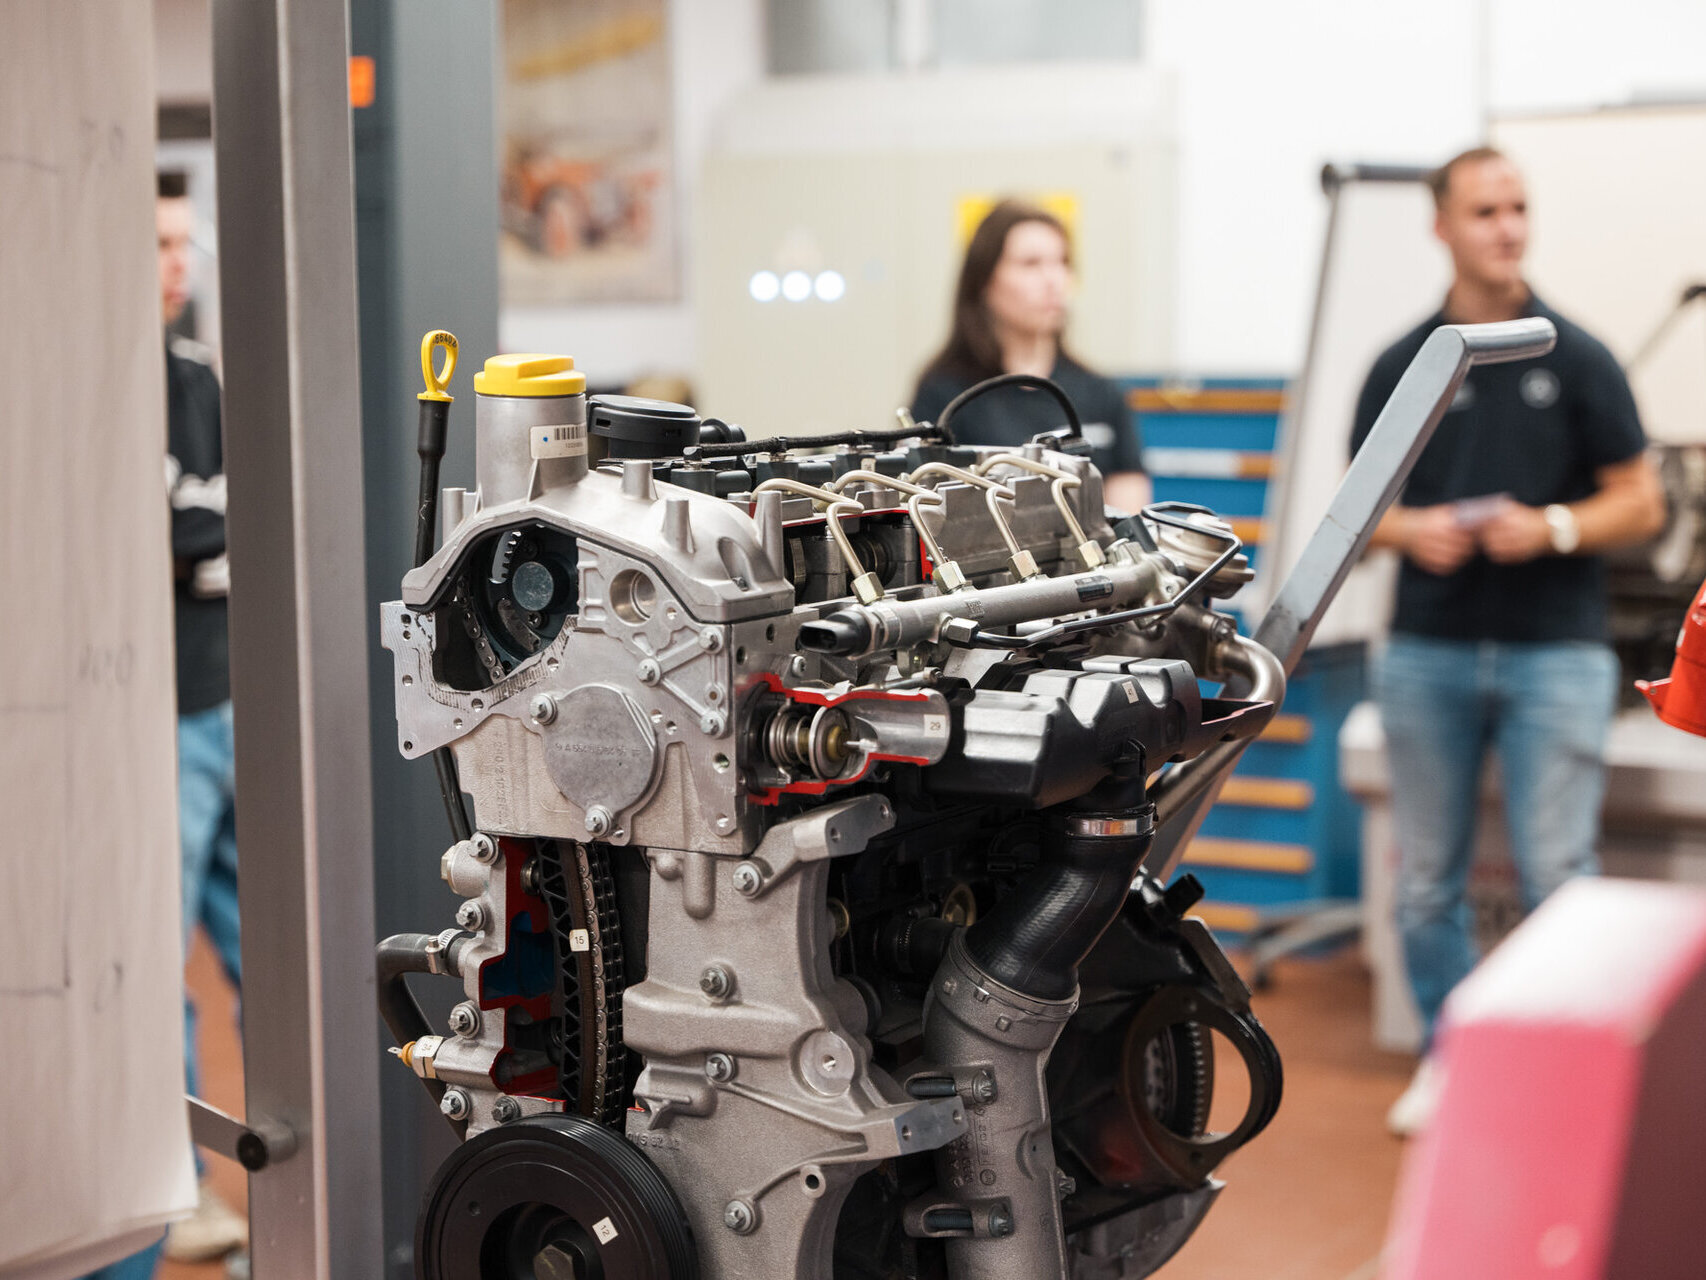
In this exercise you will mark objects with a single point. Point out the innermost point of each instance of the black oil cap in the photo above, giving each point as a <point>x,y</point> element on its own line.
<point>635,427</point>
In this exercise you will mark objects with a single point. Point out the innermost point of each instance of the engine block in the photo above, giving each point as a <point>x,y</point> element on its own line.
<point>806,928</point>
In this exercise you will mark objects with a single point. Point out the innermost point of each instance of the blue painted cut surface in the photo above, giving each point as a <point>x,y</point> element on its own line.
<point>1245,432</point>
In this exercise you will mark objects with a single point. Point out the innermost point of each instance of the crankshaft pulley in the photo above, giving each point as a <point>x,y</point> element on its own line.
<point>552,1196</point>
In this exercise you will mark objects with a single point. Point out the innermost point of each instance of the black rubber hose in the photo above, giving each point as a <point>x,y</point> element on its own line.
<point>1028,381</point>
<point>865,436</point>
<point>450,787</point>
<point>430,436</point>
<point>1034,939</point>
<point>396,957</point>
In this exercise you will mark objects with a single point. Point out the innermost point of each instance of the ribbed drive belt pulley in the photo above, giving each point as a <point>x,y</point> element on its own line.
<point>552,1198</point>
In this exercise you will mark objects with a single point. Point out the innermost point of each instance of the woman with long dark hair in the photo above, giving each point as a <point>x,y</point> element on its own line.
<point>1010,310</point>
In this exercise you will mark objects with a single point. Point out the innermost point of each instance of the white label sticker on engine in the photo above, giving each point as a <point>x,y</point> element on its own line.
<point>605,1230</point>
<point>567,440</point>
<point>1131,694</point>
<point>579,940</point>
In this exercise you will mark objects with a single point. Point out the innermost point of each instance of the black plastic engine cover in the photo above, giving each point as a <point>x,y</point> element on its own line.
<point>1062,732</point>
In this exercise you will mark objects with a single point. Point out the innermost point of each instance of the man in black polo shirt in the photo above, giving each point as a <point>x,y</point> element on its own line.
<point>1499,635</point>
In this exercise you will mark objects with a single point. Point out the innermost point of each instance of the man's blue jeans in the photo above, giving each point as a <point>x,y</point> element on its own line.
<point>1545,710</point>
<point>207,826</point>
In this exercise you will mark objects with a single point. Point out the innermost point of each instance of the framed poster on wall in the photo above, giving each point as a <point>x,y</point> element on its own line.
<point>587,168</point>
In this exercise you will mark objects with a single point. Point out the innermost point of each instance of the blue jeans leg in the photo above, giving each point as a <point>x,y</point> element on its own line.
<point>1555,708</point>
<point>1438,721</point>
<point>208,833</point>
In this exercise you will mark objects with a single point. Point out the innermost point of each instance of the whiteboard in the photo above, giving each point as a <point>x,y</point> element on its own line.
<point>1382,274</point>
<point>1618,201</point>
<point>94,1139</point>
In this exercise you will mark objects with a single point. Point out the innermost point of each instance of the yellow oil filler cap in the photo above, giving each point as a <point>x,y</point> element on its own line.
<point>530,375</point>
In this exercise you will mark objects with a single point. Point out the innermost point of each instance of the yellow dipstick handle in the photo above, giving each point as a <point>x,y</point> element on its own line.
<point>437,382</point>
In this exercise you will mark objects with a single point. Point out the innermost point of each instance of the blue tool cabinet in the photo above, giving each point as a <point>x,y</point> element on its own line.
<point>1285,831</point>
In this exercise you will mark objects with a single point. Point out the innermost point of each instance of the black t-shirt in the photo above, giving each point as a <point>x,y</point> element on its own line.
<point>1012,415</point>
<point>1537,430</point>
<point>195,474</point>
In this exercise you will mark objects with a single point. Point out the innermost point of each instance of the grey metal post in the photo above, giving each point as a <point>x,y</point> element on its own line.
<point>299,631</point>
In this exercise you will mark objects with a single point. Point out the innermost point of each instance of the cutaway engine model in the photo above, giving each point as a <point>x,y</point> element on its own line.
<point>808,929</point>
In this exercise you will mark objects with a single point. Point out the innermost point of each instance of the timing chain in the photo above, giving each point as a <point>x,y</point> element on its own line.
<point>463,605</point>
<point>581,894</point>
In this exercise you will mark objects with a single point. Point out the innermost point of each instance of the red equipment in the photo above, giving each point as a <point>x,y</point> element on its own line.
<point>1570,1135</point>
<point>1680,698</point>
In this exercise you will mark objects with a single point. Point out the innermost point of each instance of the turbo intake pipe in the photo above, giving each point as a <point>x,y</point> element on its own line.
<point>998,1003</point>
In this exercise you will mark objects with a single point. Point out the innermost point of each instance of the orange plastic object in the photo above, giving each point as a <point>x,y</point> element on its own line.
<point>361,82</point>
<point>1680,699</point>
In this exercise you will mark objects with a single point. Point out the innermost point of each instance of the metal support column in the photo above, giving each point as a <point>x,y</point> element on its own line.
<point>299,631</point>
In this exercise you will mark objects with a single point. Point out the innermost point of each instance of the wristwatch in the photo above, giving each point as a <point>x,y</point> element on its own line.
<point>1566,534</point>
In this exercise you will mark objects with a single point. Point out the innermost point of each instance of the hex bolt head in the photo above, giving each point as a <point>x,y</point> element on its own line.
<point>530,881</point>
<point>747,879</point>
<point>716,982</point>
<point>739,1217</point>
<point>456,1103</point>
<point>798,666</point>
<point>710,639</point>
<point>598,820</point>
<point>543,708</point>
<point>983,1088</point>
<point>483,847</point>
<point>552,1263</point>
<point>719,1066</point>
<point>471,916</point>
<point>465,1019</point>
<point>649,671</point>
<point>1000,1221</point>
<point>506,1109</point>
<point>713,724</point>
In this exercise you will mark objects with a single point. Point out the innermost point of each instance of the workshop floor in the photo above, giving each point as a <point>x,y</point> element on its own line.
<point>1307,1200</point>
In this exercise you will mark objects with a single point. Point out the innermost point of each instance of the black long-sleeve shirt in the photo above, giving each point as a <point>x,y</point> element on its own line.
<point>195,483</point>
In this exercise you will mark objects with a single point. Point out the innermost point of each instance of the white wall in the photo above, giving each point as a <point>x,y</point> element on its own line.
<point>717,47</point>
<point>1268,92</point>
